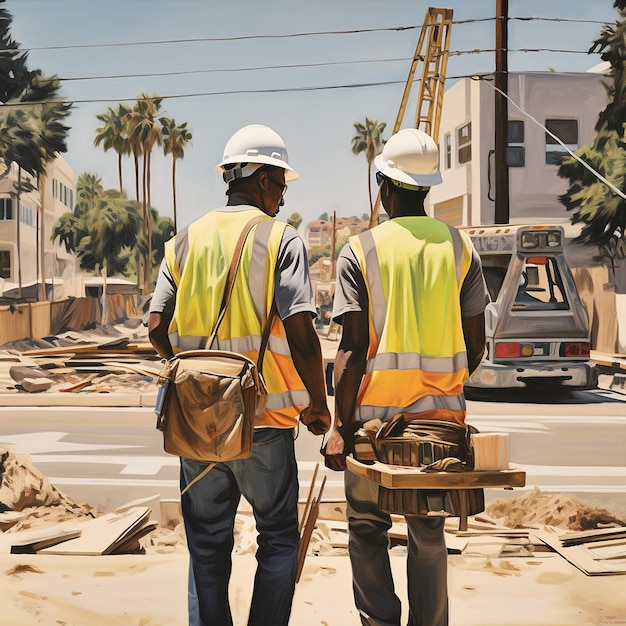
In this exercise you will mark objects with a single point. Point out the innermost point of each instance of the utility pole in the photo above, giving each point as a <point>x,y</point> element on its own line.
<point>501,114</point>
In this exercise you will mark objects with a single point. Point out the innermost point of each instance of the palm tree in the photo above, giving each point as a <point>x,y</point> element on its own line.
<point>20,89</point>
<point>144,130</point>
<point>49,135</point>
<point>295,219</point>
<point>368,139</point>
<point>101,230</point>
<point>175,139</point>
<point>113,135</point>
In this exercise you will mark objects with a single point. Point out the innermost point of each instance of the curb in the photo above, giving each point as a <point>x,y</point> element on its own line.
<point>48,399</point>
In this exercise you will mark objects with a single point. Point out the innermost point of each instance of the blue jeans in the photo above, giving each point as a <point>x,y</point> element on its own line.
<point>268,479</point>
<point>372,579</point>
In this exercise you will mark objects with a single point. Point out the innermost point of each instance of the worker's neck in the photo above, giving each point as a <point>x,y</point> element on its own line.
<point>243,197</point>
<point>409,211</point>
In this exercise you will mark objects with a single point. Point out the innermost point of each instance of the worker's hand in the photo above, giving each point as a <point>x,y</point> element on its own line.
<point>316,419</point>
<point>335,451</point>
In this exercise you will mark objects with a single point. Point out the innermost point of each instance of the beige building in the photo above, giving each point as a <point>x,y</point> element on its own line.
<point>320,232</point>
<point>20,234</point>
<point>566,104</point>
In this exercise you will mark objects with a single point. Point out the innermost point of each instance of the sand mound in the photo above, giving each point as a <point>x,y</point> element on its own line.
<point>24,488</point>
<point>560,510</point>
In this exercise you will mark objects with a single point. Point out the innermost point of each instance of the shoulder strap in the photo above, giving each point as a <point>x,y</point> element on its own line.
<point>230,281</point>
<point>232,272</point>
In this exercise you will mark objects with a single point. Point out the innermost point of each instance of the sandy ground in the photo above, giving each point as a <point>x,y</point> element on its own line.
<point>530,588</point>
<point>149,590</point>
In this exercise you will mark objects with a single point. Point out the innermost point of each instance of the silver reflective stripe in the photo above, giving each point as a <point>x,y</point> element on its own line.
<point>239,344</point>
<point>427,403</point>
<point>181,248</point>
<point>374,280</point>
<point>256,280</point>
<point>277,401</point>
<point>187,342</point>
<point>279,345</point>
<point>415,361</point>
<point>457,243</point>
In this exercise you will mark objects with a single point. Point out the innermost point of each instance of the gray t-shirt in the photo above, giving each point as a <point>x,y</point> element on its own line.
<point>351,293</point>
<point>292,282</point>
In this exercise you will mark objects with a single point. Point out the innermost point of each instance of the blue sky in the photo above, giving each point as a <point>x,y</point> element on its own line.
<point>75,39</point>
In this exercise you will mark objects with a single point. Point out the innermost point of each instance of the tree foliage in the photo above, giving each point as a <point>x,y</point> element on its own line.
<point>103,226</point>
<point>600,210</point>
<point>295,219</point>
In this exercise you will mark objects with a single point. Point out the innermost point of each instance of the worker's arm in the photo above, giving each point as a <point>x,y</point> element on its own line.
<point>307,358</point>
<point>349,369</point>
<point>158,325</point>
<point>474,333</point>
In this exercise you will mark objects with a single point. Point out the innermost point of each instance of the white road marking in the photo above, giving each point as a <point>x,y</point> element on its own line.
<point>33,443</point>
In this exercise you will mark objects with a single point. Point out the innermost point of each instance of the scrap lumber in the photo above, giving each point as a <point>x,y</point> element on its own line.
<point>307,506</point>
<point>96,349</point>
<point>85,382</point>
<point>32,540</point>
<point>307,531</point>
<point>105,534</point>
<point>579,556</point>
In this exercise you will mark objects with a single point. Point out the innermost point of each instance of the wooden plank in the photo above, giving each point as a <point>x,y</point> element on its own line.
<point>103,534</point>
<point>579,556</point>
<point>400,477</point>
<point>596,534</point>
<point>34,539</point>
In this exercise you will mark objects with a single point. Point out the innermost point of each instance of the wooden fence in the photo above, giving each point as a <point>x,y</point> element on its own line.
<point>37,320</point>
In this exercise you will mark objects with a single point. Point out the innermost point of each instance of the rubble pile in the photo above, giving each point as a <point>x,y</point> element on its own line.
<point>546,509</point>
<point>24,489</point>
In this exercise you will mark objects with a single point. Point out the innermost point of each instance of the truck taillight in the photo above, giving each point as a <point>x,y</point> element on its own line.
<point>578,350</point>
<point>513,350</point>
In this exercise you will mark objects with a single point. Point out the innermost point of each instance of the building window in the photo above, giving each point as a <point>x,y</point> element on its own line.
<point>464,142</point>
<point>567,132</point>
<point>6,209</point>
<point>516,151</point>
<point>26,215</point>
<point>447,143</point>
<point>5,264</point>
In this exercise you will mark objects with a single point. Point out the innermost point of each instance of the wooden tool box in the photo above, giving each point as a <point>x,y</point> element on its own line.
<point>413,479</point>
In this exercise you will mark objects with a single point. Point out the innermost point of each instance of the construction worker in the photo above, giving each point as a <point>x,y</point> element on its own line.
<point>184,310</point>
<point>410,296</point>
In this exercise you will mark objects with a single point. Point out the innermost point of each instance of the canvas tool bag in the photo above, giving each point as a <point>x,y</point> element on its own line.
<point>207,399</point>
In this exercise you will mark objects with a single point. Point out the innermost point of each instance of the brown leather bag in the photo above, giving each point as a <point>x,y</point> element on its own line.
<point>207,399</point>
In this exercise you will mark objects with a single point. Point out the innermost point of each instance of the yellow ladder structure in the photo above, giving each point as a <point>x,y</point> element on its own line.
<point>437,27</point>
<point>436,33</point>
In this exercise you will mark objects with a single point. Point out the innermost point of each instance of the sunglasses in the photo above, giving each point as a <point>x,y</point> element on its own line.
<point>380,178</point>
<point>283,186</point>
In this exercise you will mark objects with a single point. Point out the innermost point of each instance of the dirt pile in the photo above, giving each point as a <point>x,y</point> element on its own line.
<point>24,488</point>
<point>537,508</point>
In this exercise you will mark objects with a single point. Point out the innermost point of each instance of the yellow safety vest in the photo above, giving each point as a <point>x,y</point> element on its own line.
<point>414,268</point>
<point>198,258</point>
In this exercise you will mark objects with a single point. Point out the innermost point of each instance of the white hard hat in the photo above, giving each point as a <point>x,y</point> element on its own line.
<point>254,145</point>
<point>411,157</point>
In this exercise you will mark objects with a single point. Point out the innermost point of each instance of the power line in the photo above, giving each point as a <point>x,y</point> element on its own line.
<point>306,65</point>
<point>289,35</point>
<point>474,75</point>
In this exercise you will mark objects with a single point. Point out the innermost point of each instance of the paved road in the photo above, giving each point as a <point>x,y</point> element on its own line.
<point>110,456</point>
